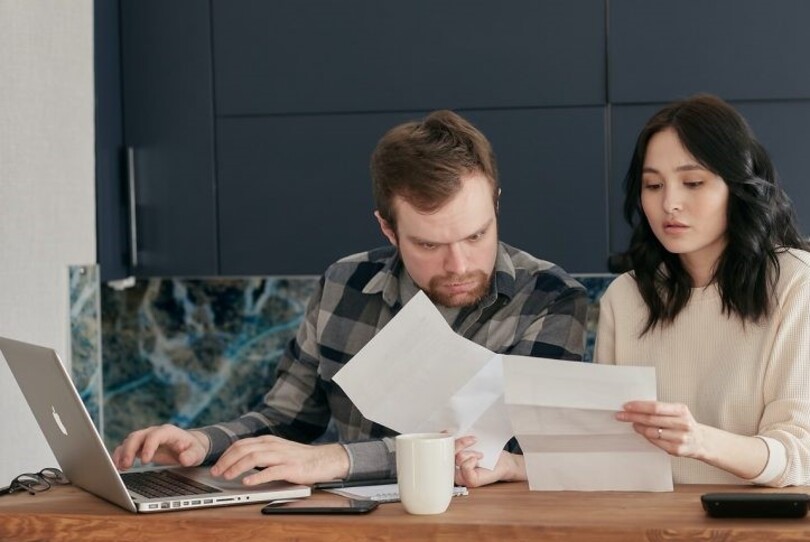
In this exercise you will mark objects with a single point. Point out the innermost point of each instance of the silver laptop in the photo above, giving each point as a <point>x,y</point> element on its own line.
<point>83,458</point>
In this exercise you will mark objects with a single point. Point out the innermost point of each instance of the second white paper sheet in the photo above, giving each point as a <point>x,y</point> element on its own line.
<point>562,413</point>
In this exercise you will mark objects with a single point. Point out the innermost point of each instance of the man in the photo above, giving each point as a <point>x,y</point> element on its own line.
<point>436,190</point>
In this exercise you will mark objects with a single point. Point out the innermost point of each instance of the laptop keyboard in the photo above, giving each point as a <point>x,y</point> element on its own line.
<point>164,483</point>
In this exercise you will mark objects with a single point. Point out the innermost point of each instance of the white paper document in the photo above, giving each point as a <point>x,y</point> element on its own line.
<point>563,417</point>
<point>417,375</point>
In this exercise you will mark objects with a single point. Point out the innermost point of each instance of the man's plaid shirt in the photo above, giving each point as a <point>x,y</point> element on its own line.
<point>533,309</point>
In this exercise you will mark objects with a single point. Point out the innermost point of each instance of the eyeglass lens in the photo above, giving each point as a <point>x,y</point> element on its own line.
<point>37,482</point>
<point>53,475</point>
<point>32,483</point>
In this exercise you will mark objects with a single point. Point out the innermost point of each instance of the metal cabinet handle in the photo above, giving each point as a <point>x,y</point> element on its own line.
<point>133,215</point>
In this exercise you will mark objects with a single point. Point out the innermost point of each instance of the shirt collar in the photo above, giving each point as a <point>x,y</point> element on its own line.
<point>386,281</point>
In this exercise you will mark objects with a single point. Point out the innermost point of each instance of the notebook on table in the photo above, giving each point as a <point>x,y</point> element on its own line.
<point>81,454</point>
<point>381,493</point>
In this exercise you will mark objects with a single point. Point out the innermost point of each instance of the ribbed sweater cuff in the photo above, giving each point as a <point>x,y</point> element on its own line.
<point>777,461</point>
<point>370,459</point>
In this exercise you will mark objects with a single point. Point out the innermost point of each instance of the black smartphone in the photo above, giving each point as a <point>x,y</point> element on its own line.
<point>338,505</point>
<point>756,505</point>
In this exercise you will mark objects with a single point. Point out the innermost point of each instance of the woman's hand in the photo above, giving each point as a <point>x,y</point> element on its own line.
<point>669,426</point>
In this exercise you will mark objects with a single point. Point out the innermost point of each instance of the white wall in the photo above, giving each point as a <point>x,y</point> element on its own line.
<point>47,192</point>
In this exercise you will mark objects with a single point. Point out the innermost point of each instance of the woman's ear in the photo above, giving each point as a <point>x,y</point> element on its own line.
<point>386,228</point>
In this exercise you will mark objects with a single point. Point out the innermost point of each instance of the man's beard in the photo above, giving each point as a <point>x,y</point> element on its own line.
<point>440,296</point>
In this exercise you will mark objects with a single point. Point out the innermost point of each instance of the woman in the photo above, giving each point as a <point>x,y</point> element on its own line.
<point>717,300</point>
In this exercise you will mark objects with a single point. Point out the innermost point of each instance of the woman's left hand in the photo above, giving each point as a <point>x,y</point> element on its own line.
<point>670,426</point>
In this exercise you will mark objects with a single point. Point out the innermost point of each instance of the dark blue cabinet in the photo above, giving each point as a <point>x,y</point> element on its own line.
<point>737,49</point>
<point>169,136</point>
<point>551,169</point>
<point>111,199</point>
<point>749,52</point>
<point>305,89</point>
<point>319,56</point>
<point>295,191</point>
<point>251,126</point>
<point>251,122</point>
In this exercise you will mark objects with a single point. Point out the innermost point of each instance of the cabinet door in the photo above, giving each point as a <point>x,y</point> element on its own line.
<point>315,56</point>
<point>626,122</point>
<point>738,49</point>
<point>111,203</point>
<point>552,170</point>
<point>169,125</point>
<point>783,128</point>
<point>295,192</point>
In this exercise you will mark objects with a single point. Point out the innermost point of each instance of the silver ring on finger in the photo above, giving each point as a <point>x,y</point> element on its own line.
<point>660,432</point>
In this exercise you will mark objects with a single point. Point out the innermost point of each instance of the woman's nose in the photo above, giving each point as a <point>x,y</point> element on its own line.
<point>673,202</point>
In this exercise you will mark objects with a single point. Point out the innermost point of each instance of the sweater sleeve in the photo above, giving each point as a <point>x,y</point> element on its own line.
<point>786,417</point>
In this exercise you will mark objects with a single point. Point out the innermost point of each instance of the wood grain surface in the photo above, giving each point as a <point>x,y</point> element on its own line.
<point>508,512</point>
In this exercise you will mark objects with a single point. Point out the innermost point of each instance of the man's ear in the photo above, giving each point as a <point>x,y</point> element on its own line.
<point>386,228</point>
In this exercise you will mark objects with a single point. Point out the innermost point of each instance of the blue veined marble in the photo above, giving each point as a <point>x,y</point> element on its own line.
<point>85,339</point>
<point>194,352</point>
<point>596,286</point>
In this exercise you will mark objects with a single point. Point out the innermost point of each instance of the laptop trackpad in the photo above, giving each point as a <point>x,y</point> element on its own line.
<point>203,475</point>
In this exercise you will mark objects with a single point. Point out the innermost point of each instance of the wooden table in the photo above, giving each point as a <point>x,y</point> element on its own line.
<point>504,512</point>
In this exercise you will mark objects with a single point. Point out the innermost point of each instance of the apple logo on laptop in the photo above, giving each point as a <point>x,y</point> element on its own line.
<point>58,420</point>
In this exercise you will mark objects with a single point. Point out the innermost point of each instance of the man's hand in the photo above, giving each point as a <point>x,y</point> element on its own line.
<point>163,444</point>
<point>282,460</point>
<point>509,467</point>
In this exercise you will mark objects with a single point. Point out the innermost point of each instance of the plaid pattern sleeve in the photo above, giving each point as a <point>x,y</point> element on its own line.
<point>533,308</point>
<point>295,407</point>
<point>340,319</point>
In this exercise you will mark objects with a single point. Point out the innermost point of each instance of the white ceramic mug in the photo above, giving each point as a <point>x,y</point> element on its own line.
<point>425,471</point>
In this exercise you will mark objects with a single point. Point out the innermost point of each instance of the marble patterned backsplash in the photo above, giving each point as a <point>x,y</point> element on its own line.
<point>596,286</point>
<point>85,338</point>
<point>192,351</point>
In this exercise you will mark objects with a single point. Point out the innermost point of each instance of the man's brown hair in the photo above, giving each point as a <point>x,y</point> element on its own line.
<point>423,161</point>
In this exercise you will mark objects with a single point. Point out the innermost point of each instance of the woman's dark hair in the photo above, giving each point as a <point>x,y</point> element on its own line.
<point>760,221</point>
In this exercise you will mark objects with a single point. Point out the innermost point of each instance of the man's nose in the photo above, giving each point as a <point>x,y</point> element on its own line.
<point>455,260</point>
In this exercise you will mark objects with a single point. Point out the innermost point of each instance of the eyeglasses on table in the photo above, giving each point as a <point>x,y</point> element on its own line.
<point>36,482</point>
